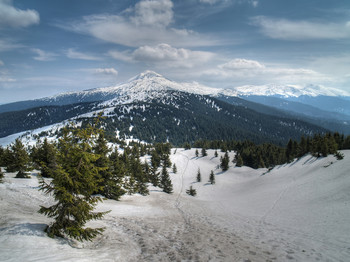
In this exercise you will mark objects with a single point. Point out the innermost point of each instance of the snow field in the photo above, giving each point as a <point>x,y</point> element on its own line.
<point>296,212</point>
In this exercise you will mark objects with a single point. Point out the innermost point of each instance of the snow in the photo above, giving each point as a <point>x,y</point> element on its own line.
<point>298,211</point>
<point>285,91</point>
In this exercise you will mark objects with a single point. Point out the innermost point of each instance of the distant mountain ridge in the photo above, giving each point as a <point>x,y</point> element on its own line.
<point>153,108</point>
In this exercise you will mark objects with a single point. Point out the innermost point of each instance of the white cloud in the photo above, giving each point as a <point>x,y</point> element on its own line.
<point>72,54</point>
<point>209,1</point>
<point>123,56</point>
<point>243,71</point>
<point>106,71</point>
<point>8,44</point>
<point>13,17</point>
<point>165,55</point>
<point>1,63</point>
<point>240,63</point>
<point>43,55</point>
<point>157,13</point>
<point>137,27</point>
<point>300,30</point>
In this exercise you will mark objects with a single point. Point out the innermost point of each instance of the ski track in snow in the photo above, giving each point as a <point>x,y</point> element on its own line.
<point>296,212</point>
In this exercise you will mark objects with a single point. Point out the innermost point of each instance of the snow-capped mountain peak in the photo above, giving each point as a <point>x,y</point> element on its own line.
<point>287,91</point>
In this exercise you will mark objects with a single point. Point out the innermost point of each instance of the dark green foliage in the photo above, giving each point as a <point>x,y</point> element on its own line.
<point>73,183</point>
<point>191,191</point>
<point>225,162</point>
<point>216,153</point>
<point>17,121</point>
<point>165,181</point>
<point>1,176</point>
<point>22,174</point>
<point>196,153</point>
<point>18,159</point>
<point>2,156</point>
<point>239,160</point>
<point>187,146</point>
<point>339,155</point>
<point>212,177</point>
<point>44,157</point>
<point>204,152</point>
<point>174,169</point>
<point>268,155</point>
<point>199,177</point>
<point>113,182</point>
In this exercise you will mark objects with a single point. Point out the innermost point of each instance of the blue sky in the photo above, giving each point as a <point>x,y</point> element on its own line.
<point>49,47</point>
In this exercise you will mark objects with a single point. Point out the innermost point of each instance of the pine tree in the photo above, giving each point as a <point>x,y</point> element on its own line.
<point>174,169</point>
<point>191,191</point>
<point>212,177</point>
<point>225,162</point>
<point>1,176</point>
<point>165,182</point>
<point>216,153</point>
<point>187,146</point>
<point>196,153</point>
<point>199,178</point>
<point>113,185</point>
<point>73,184</point>
<point>20,159</point>
<point>239,160</point>
<point>204,152</point>
<point>138,175</point>
<point>45,158</point>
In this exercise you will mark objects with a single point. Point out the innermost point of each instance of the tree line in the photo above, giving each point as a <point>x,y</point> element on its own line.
<point>268,155</point>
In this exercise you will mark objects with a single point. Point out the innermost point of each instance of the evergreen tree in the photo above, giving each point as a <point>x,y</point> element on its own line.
<point>212,177</point>
<point>196,153</point>
<point>2,156</point>
<point>1,176</point>
<point>216,153</point>
<point>113,184</point>
<point>20,159</point>
<point>191,191</point>
<point>138,175</point>
<point>74,181</point>
<point>199,178</point>
<point>204,152</point>
<point>187,146</point>
<point>45,158</point>
<point>165,181</point>
<point>155,159</point>
<point>225,162</point>
<point>174,169</point>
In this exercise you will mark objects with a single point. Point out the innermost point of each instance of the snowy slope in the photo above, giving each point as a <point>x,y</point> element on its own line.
<point>287,91</point>
<point>295,212</point>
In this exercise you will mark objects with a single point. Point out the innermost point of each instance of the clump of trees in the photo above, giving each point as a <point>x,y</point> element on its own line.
<point>268,155</point>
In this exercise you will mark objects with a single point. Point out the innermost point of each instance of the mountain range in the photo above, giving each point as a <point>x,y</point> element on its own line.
<point>153,108</point>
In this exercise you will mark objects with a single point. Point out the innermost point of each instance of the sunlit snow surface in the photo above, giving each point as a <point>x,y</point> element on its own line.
<point>298,211</point>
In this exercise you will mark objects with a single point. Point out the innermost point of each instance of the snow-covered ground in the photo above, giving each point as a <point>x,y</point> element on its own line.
<point>298,211</point>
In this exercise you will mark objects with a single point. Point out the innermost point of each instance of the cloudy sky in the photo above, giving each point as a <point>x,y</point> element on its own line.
<point>49,47</point>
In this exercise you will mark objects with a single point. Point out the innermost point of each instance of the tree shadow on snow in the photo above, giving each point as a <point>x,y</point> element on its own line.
<point>25,229</point>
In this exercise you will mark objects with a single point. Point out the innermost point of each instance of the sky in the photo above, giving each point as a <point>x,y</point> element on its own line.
<point>50,47</point>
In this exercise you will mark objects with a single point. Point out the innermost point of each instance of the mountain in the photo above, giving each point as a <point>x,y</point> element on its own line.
<point>155,109</point>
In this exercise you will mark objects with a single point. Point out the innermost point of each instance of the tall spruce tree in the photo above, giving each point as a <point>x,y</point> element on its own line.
<point>45,158</point>
<point>174,168</point>
<point>199,177</point>
<point>73,183</point>
<point>165,181</point>
<point>20,159</point>
<point>225,162</point>
<point>212,177</point>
